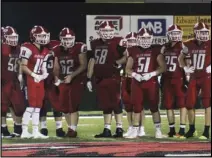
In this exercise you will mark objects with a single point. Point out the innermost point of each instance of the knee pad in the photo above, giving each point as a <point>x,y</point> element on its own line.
<point>57,114</point>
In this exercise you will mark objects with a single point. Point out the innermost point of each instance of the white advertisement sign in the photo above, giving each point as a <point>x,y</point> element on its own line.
<point>124,24</point>
<point>121,23</point>
<point>157,24</point>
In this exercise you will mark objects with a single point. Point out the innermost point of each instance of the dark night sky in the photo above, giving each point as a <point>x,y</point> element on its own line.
<point>54,16</point>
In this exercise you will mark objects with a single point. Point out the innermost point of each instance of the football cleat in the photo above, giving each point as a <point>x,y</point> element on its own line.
<point>171,134</point>
<point>180,136</point>
<point>133,133</point>
<point>119,133</point>
<point>39,135</point>
<point>141,133</point>
<point>203,137</point>
<point>71,133</point>
<point>106,134</point>
<point>159,135</point>
<point>17,130</point>
<point>26,134</point>
<point>44,131</point>
<point>128,132</point>
<point>5,133</point>
<point>60,132</point>
<point>190,134</point>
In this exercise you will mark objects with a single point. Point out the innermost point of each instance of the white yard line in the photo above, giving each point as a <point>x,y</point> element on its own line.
<point>190,155</point>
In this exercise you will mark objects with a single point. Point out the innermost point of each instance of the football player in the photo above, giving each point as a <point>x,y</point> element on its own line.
<point>49,89</point>
<point>11,81</point>
<point>34,56</point>
<point>144,64</point>
<point>131,41</point>
<point>69,68</point>
<point>198,50</point>
<point>104,66</point>
<point>174,80</point>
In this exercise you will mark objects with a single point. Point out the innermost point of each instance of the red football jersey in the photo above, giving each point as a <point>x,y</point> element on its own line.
<point>34,56</point>
<point>144,60</point>
<point>10,58</point>
<point>200,56</point>
<point>50,60</point>
<point>171,55</point>
<point>105,55</point>
<point>69,59</point>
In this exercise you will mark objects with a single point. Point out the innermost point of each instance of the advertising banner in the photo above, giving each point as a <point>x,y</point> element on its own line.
<point>121,23</point>
<point>157,24</point>
<point>187,23</point>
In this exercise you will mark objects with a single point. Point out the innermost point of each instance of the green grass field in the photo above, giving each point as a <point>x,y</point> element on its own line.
<point>88,127</point>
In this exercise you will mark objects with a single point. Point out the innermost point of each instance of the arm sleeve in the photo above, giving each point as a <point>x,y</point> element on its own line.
<point>25,53</point>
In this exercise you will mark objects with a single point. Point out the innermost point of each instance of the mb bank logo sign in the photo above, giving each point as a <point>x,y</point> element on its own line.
<point>157,26</point>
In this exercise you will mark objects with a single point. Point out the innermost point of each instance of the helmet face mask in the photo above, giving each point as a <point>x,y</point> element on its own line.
<point>67,38</point>
<point>175,36</point>
<point>202,35</point>
<point>11,40</point>
<point>106,30</point>
<point>10,36</point>
<point>145,41</point>
<point>201,32</point>
<point>42,38</point>
<point>106,33</point>
<point>67,42</point>
<point>131,42</point>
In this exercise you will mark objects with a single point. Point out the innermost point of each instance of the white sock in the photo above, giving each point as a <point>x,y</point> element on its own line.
<point>182,126</point>
<point>58,124</point>
<point>43,124</point>
<point>118,125</point>
<point>18,124</point>
<point>35,120</point>
<point>171,126</point>
<point>107,126</point>
<point>4,125</point>
<point>73,127</point>
<point>157,126</point>
<point>26,118</point>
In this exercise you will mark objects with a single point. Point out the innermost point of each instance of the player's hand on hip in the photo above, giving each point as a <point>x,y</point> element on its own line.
<point>208,69</point>
<point>189,69</point>
<point>37,78</point>
<point>138,77</point>
<point>21,81</point>
<point>89,86</point>
<point>68,79</point>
